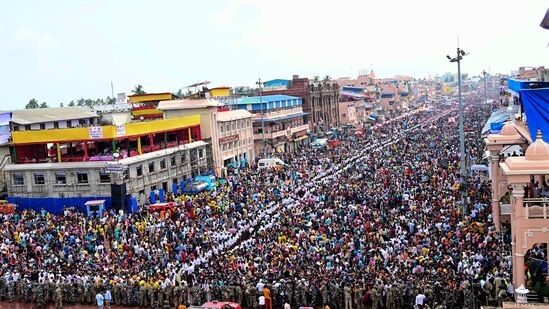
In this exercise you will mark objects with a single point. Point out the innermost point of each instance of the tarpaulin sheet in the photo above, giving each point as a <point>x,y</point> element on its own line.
<point>497,116</point>
<point>536,106</point>
<point>56,205</point>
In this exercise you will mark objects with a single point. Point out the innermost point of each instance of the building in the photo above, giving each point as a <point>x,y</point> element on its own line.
<point>319,100</point>
<point>144,106</point>
<point>236,137</point>
<point>279,122</point>
<point>62,157</point>
<point>220,92</point>
<point>228,134</point>
<point>518,154</point>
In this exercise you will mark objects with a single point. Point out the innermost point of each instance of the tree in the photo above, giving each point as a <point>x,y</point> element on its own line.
<point>71,103</point>
<point>110,100</point>
<point>138,89</point>
<point>33,103</point>
<point>327,78</point>
<point>179,93</point>
<point>44,105</point>
<point>316,79</point>
<point>61,104</point>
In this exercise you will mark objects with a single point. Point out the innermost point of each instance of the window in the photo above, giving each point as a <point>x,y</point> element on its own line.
<point>68,124</point>
<point>172,161</point>
<point>56,125</point>
<point>234,126</point>
<point>221,128</point>
<point>153,188</point>
<point>27,127</point>
<point>200,153</point>
<point>162,164</point>
<point>227,128</point>
<point>15,128</point>
<point>165,186</point>
<point>18,179</point>
<point>139,170</point>
<point>61,178</point>
<point>238,124</point>
<point>104,177</point>
<point>82,177</point>
<point>151,167</point>
<point>42,126</point>
<point>39,179</point>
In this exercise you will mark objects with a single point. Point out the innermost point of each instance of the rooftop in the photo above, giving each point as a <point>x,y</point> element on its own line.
<point>266,99</point>
<point>41,115</point>
<point>233,115</point>
<point>188,104</point>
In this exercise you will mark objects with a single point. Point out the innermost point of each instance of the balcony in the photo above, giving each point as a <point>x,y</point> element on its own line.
<point>285,132</point>
<point>536,208</point>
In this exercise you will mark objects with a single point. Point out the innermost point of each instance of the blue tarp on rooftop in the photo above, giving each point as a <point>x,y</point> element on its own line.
<point>515,86</point>
<point>536,106</point>
<point>498,116</point>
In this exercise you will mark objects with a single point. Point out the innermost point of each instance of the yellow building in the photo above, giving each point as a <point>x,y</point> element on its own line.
<point>220,92</point>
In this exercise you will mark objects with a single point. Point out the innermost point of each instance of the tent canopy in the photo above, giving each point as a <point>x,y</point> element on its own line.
<point>536,106</point>
<point>498,116</point>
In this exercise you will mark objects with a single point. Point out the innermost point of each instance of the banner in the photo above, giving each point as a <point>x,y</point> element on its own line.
<point>96,132</point>
<point>121,130</point>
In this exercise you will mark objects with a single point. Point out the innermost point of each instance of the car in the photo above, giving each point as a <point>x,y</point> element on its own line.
<point>270,162</point>
<point>218,305</point>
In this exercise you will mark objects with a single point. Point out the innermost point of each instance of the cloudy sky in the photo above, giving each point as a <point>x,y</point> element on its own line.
<point>56,51</point>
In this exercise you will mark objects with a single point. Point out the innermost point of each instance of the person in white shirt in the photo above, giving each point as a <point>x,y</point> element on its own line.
<point>420,299</point>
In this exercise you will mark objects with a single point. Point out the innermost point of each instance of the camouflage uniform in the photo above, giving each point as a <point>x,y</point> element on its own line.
<point>11,291</point>
<point>151,292</point>
<point>58,298</point>
<point>176,296</point>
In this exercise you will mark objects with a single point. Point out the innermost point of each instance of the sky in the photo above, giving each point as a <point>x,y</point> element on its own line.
<point>57,51</point>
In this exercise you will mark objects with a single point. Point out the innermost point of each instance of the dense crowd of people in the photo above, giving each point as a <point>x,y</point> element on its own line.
<point>376,222</point>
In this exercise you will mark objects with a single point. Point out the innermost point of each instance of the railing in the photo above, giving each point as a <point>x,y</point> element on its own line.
<point>536,208</point>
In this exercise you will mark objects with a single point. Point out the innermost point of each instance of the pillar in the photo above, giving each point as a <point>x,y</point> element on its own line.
<point>166,139</point>
<point>58,153</point>
<point>139,145</point>
<point>496,210</point>
<point>190,136</point>
<point>86,151</point>
<point>151,139</point>
<point>518,263</point>
<point>517,214</point>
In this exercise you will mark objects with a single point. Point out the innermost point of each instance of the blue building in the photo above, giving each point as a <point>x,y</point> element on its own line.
<point>279,123</point>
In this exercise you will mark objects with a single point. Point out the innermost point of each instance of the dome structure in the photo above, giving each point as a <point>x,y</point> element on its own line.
<point>538,150</point>
<point>509,129</point>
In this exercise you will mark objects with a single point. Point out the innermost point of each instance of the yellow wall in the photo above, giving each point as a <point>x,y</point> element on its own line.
<point>150,97</point>
<point>220,92</point>
<point>109,132</point>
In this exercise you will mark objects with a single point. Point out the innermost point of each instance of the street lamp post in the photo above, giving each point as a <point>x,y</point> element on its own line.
<point>462,177</point>
<point>485,95</point>
<point>259,83</point>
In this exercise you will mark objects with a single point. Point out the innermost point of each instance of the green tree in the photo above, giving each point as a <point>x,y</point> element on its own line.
<point>71,103</point>
<point>44,105</point>
<point>110,100</point>
<point>316,79</point>
<point>61,104</point>
<point>33,103</point>
<point>179,93</point>
<point>138,89</point>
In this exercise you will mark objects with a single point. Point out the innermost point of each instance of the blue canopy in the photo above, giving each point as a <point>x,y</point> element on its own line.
<point>536,106</point>
<point>515,86</point>
<point>498,116</point>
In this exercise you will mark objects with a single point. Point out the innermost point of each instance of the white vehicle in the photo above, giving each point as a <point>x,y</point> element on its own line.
<point>270,162</point>
<point>319,143</point>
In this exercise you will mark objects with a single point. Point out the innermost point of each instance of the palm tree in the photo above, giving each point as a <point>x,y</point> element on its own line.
<point>316,79</point>
<point>33,103</point>
<point>44,105</point>
<point>327,78</point>
<point>138,89</point>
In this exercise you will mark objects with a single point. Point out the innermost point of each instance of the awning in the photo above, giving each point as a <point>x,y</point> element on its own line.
<point>536,106</point>
<point>498,116</point>
<point>515,86</point>
<point>300,138</point>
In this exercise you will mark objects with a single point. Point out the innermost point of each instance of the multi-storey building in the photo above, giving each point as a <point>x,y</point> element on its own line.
<point>62,157</point>
<point>519,182</point>
<point>319,99</point>
<point>236,137</point>
<point>279,122</point>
